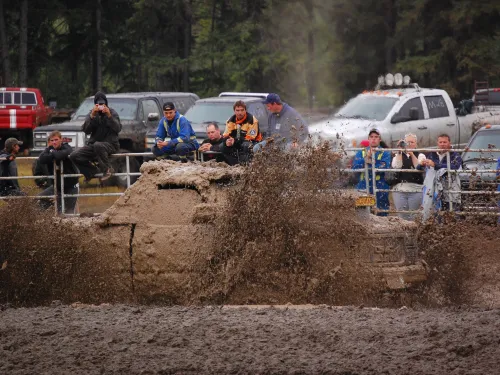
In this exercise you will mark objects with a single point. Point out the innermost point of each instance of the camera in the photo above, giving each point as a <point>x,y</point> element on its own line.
<point>100,107</point>
<point>402,144</point>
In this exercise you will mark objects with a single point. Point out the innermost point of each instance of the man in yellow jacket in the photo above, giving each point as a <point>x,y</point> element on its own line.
<point>242,132</point>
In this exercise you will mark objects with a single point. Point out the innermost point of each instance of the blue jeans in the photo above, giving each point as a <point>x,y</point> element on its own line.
<point>179,149</point>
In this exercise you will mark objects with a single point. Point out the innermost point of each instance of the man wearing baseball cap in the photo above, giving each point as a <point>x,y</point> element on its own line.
<point>175,136</point>
<point>382,161</point>
<point>285,124</point>
<point>8,168</point>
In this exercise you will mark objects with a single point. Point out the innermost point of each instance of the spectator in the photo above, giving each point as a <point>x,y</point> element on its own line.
<point>242,132</point>
<point>210,147</point>
<point>8,168</point>
<point>437,164</point>
<point>59,152</point>
<point>285,124</point>
<point>382,161</point>
<point>407,193</point>
<point>182,137</point>
<point>103,124</point>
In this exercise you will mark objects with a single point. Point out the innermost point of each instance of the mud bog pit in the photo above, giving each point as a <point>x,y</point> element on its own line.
<point>449,325</point>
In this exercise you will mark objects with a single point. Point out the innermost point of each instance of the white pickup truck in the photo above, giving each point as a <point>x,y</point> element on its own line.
<point>397,111</point>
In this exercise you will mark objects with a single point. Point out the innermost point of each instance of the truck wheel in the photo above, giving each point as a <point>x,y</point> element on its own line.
<point>120,166</point>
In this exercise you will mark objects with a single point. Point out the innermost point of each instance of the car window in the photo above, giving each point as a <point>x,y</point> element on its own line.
<point>7,99</point>
<point>210,112</point>
<point>259,111</point>
<point>28,98</point>
<point>17,98</point>
<point>436,106</point>
<point>125,107</point>
<point>412,103</point>
<point>489,139</point>
<point>368,107</point>
<point>148,106</point>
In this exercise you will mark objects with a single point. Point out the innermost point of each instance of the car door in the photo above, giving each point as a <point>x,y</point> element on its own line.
<point>440,120</point>
<point>148,106</point>
<point>418,127</point>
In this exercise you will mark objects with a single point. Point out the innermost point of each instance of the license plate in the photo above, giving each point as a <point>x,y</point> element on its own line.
<point>365,201</point>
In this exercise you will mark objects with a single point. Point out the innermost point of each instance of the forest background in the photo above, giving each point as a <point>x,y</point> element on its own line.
<point>315,53</point>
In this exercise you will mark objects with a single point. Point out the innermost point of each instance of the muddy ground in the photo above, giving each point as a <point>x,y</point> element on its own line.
<point>206,340</point>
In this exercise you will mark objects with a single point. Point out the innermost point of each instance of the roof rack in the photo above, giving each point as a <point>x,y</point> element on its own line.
<point>248,94</point>
<point>387,87</point>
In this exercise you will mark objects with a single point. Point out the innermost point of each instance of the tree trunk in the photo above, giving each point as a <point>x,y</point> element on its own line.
<point>98,61</point>
<point>187,45</point>
<point>212,43</point>
<point>6,76</point>
<point>311,84</point>
<point>23,45</point>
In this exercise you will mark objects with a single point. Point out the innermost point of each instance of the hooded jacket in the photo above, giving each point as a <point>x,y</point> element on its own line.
<point>8,168</point>
<point>249,129</point>
<point>103,128</point>
<point>287,125</point>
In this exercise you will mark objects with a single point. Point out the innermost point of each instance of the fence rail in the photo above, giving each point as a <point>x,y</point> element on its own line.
<point>366,170</point>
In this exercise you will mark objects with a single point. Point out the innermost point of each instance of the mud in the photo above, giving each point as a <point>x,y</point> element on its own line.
<point>277,232</point>
<point>206,340</point>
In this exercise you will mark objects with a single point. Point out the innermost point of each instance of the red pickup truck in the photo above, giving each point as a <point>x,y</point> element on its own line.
<point>22,110</point>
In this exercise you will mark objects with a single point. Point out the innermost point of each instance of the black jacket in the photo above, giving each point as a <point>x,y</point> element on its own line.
<point>8,168</point>
<point>215,146</point>
<point>103,128</point>
<point>50,154</point>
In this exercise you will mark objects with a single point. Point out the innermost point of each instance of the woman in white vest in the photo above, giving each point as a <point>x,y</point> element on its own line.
<point>407,193</point>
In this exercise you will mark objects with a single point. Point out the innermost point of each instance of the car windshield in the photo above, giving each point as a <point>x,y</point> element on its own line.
<point>483,140</point>
<point>367,107</point>
<point>210,112</point>
<point>125,107</point>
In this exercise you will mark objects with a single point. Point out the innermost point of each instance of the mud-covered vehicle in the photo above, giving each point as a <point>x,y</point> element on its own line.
<point>173,212</point>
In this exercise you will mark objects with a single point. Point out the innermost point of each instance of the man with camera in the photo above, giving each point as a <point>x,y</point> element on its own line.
<point>103,124</point>
<point>382,161</point>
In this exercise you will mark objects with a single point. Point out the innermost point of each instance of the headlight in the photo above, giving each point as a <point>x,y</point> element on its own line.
<point>40,135</point>
<point>41,144</point>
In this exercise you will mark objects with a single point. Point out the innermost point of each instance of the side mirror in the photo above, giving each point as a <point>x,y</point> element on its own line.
<point>153,116</point>
<point>413,113</point>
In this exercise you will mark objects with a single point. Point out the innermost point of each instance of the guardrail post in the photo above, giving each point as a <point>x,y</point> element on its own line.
<point>374,181</point>
<point>448,167</point>
<point>127,160</point>
<point>63,207</point>
<point>55,187</point>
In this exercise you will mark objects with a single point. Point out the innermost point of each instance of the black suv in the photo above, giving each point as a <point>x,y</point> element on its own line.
<point>139,113</point>
<point>219,109</point>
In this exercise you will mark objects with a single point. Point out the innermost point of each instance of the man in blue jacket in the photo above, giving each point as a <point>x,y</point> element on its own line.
<point>174,136</point>
<point>382,161</point>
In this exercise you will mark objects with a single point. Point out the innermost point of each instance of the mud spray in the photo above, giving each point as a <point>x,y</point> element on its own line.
<point>284,233</point>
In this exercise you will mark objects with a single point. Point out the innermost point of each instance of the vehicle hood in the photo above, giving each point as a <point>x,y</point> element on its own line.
<point>479,165</point>
<point>345,129</point>
<point>74,126</point>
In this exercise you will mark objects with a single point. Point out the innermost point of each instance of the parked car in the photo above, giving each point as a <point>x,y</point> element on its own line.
<point>486,139</point>
<point>219,110</point>
<point>21,111</point>
<point>139,112</point>
<point>398,107</point>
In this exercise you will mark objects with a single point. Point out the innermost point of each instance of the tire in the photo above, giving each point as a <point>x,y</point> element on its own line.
<point>119,164</point>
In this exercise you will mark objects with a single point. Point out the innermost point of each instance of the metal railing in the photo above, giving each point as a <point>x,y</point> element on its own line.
<point>449,172</point>
<point>128,174</point>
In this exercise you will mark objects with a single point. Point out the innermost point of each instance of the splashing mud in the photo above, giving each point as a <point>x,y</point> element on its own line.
<point>278,231</point>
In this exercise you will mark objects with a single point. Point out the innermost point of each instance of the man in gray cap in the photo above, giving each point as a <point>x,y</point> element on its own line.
<point>285,124</point>
<point>8,168</point>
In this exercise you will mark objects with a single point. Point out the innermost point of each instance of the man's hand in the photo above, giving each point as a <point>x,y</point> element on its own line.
<point>161,144</point>
<point>429,163</point>
<point>368,157</point>
<point>106,111</point>
<point>95,109</point>
<point>11,157</point>
<point>230,142</point>
<point>294,144</point>
<point>205,147</point>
